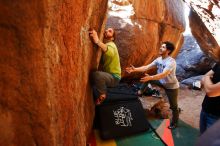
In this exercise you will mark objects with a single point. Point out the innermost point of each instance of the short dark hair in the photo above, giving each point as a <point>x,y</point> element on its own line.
<point>169,46</point>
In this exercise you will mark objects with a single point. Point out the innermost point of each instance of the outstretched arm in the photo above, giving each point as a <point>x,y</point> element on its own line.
<point>212,90</point>
<point>96,40</point>
<point>139,69</point>
<point>155,77</point>
<point>136,69</point>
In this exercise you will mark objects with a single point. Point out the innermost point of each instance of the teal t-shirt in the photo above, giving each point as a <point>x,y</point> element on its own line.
<point>111,60</point>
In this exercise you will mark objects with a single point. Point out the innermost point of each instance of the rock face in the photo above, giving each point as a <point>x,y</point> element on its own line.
<point>205,26</point>
<point>46,56</point>
<point>143,25</point>
<point>191,60</point>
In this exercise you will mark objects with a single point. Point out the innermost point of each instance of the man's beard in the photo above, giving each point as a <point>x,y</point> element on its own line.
<point>107,38</point>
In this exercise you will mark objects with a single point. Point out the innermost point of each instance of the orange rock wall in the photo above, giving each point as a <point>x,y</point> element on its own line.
<point>140,35</point>
<point>206,40</point>
<point>46,57</point>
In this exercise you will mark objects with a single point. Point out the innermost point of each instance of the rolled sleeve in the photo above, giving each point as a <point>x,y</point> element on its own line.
<point>109,51</point>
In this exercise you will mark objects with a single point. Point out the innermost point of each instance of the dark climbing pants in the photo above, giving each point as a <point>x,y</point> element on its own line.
<point>101,80</point>
<point>172,95</point>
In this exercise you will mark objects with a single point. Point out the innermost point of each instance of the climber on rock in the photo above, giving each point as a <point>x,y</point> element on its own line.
<point>111,74</point>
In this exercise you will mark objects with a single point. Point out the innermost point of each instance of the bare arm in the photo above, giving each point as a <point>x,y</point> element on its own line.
<point>96,40</point>
<point>138,69</point>
<point>212,90</point>
<point>155,77</point>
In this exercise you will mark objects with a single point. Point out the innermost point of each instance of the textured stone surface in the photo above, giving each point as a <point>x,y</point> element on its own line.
<point>46,57</point>
<point>191,60</point>
<point>205,26</point>
<point>146,24</point>
<point>203,36</point>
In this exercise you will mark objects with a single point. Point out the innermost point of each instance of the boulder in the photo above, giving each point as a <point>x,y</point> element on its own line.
<point>191,60</point>
<point>46,57</point>
<point>205,26</point>
<point>142,26</point>
<point>189,82</point>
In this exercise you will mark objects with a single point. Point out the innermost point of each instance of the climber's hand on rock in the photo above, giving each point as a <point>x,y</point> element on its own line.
<point>93,34</point>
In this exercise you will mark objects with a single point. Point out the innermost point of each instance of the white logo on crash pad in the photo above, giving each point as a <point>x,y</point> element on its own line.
<point>123,117</point>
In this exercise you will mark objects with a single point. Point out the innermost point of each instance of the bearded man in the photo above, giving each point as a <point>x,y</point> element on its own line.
<point>165,78</point>
<point>111,74</point>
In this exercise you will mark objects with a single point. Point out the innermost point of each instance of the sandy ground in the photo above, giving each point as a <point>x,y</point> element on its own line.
<point>189,101</point>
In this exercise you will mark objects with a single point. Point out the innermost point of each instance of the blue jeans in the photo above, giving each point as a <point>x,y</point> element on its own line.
<point>206,120</point>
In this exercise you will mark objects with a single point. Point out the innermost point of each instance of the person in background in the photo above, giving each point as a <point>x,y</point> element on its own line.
<point>165,77</point>
<point>211,137</point>
<point>210,112</point>
<point>111,74</point>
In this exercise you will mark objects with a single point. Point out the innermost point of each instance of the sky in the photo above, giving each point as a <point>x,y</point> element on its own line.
<point>187,30</point>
